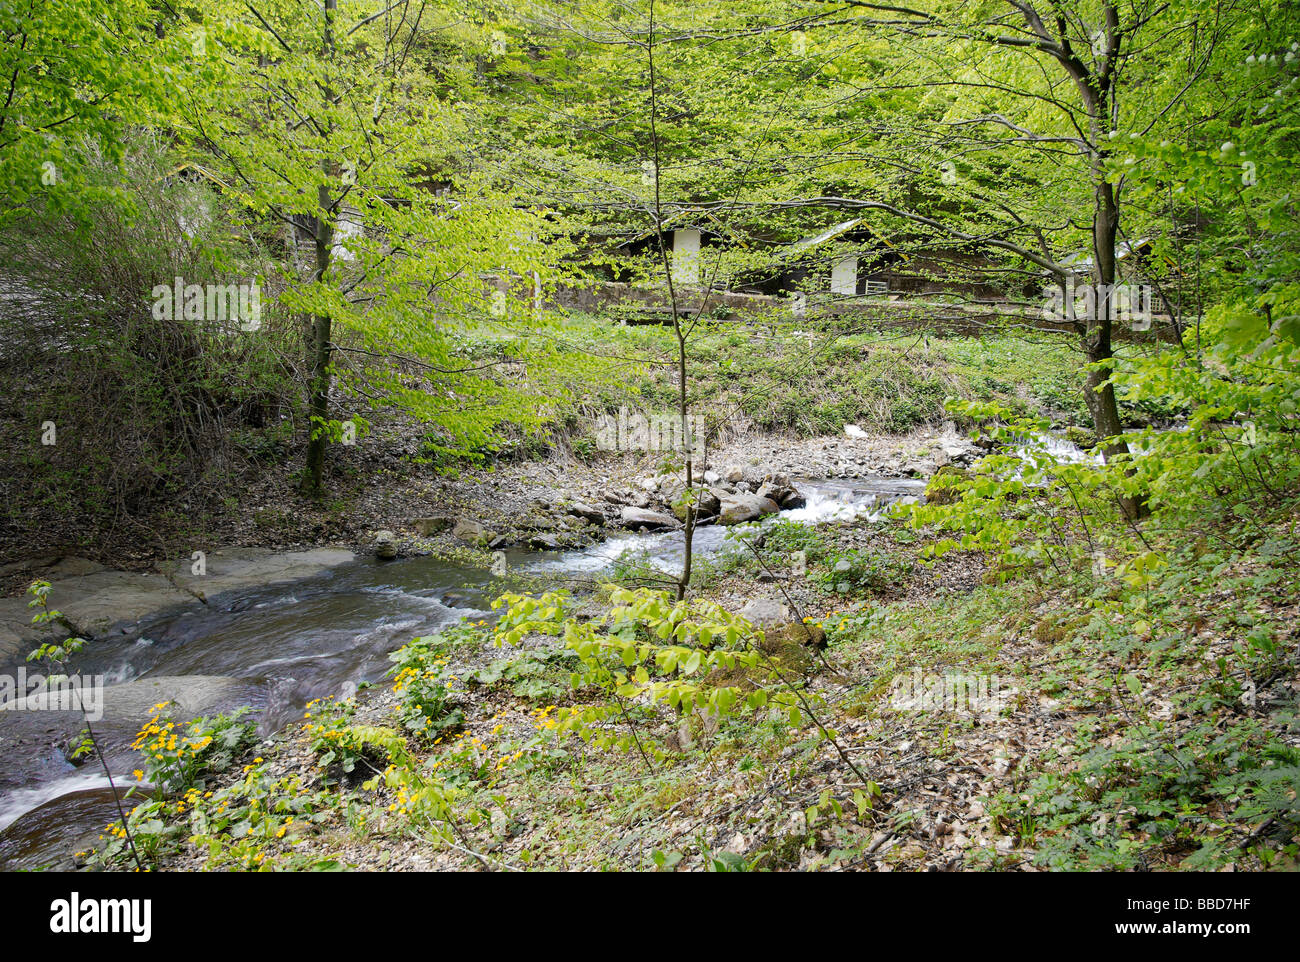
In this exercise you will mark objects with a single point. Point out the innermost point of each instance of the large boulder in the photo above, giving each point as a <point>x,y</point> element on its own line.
<point>637,518</point>
<point>795,499</point>
<point>741,506</point>
<point>585,511</point>
<point>71,567</point>
<point>189,695</point>
<point>94,599</point>
<point>231,569</point>
<point>471,532</point>
<point>765,612</point>
<point>91,604</point>
<point>939,491</point>
<point>385,545</point>
<point>437,524</point>
<point>707,503</point>
<point>780,639</point>
<point>781,489</point>
<point>38,730</point>
<point>1081,437</point>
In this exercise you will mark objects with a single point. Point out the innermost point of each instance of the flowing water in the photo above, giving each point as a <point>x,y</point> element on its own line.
<point>284,645</point>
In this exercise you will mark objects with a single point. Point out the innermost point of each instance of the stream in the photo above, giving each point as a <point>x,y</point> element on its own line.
<point>277,647</point>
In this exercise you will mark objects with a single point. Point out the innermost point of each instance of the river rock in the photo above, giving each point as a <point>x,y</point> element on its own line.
<point>471,532</point>
<point>765,612</point>
<point>778,637</point>
<point>29,729</point>
<point>18,635</point>
<point>91,605</point>
<point>707,504</point>
<point>634,518</point>
<point>1082,438</point>
<point>780,489</point>
<point>585,511</point>
<point>132,699</point>
<point>543,542</point>
<point>70,568</point>
<point>741,507</point>
<point>425,527</point>
<point>231,569</point>
<point>941,494</point>
<point>919,469</point>
<point>385,545</point>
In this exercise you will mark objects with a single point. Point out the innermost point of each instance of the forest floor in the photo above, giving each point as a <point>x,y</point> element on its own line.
<point>956,723</point>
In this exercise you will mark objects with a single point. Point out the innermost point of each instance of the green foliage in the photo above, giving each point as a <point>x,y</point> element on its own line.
<point>1026,507</point>
<point>88,337</point>
<point>1159,794</point>
<point>864,569</point>
<point>340,745</point>
<point>74,69</point>
<point>425,688</point>
<point>55,653</point>
<point>645,646</point>
<point>534,675</point>
<point>181,757</point>
<point>783,538</point>
<point>251,824</point>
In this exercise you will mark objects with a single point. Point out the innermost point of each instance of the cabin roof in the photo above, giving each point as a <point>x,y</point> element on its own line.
<point>838,230</point>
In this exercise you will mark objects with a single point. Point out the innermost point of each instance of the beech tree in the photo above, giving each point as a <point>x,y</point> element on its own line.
<point>350,127</point>
<point>71,73</point>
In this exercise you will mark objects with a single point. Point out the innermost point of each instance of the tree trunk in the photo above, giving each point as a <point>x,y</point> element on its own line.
<point>1099,395</point>
<point>321,350</point>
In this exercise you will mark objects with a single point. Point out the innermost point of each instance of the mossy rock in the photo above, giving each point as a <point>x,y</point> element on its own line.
<point>745,679</point>
<point>1081,437</point>
<point>942,493</point>
<point>788,647</point>
<point>779,638</point>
